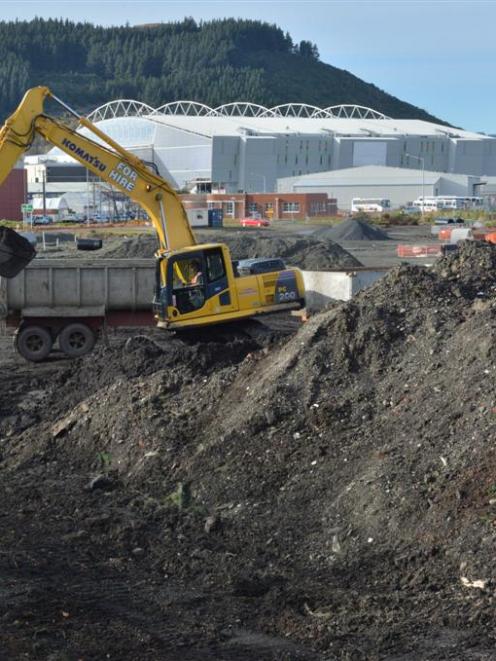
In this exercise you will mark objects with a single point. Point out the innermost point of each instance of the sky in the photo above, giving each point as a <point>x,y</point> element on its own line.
<point>439,55</point>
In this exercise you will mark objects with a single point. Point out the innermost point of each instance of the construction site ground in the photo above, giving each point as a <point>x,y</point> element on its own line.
<point>263,491</point>
<point>369,253</point>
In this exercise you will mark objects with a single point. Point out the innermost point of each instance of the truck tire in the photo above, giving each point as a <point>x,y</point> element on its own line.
<point>76,340</point>
<point>34,343</point>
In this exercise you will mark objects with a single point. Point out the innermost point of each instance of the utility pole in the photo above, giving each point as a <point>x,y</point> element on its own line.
<point>43,189</point>
<point>87,196</point>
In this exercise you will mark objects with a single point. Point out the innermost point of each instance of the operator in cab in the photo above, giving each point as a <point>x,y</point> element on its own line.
<point>196,275</point>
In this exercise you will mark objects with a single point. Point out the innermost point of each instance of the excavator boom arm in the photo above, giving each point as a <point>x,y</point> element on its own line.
<point>113,164</point>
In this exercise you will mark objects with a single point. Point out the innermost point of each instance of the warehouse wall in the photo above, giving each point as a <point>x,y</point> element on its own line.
<point>399,193</point>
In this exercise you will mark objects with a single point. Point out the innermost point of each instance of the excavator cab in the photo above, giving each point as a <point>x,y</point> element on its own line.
<point>15,253</point>
<point>198,284</point>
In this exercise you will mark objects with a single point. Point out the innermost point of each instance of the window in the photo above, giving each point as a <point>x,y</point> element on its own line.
<point>317,207</point>
<point>188,285</point>
<point>289,207</point>
<point>215,266</point>
<point>186,272</point>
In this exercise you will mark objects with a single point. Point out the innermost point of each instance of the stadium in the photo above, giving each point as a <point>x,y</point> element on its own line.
<point>246,147</point>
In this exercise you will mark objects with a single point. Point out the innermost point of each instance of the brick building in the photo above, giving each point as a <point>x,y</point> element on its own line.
<point>275,206</point>
<point>13,194</point>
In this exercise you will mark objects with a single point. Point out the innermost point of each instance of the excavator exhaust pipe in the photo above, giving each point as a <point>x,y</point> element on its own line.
<point>15,253</point>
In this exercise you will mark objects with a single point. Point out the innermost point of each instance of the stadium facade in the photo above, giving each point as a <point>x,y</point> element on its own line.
<point>242,147</point>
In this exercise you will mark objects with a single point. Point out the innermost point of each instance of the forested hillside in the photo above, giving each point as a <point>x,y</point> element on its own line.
<point>214,63</point>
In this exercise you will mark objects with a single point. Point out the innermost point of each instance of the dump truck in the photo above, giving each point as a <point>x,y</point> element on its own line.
<point>70,302</point>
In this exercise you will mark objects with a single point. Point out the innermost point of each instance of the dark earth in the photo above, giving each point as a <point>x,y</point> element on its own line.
<point>265,491</point>
<point>306,252</point>
<point>351,229</point>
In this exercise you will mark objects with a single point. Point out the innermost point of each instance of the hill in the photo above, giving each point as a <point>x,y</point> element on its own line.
<point>215,62</point>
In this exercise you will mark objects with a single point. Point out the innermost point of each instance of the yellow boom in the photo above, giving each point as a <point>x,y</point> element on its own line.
<point>109,161</point>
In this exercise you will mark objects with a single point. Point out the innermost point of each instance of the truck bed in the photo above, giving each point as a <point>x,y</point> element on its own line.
<point>49,287</point>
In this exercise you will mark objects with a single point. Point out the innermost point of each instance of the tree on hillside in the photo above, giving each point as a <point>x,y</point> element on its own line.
<point>211,62</point>
<point>307,49</point>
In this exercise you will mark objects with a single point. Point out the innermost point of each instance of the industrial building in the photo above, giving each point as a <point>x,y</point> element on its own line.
<point>242,147</point>
<point>400,186</point>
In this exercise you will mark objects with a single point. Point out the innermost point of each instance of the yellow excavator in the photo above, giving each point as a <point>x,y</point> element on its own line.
<point>196,284</point>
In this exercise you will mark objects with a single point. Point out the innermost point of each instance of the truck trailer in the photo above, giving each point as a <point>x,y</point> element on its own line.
<point>69,302</point>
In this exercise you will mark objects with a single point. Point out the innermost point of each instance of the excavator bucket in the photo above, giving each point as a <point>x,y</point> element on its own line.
<point>15,253</point>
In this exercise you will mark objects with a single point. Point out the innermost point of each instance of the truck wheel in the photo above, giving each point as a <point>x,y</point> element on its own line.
<point>34,343</point>
<point>76,340</point>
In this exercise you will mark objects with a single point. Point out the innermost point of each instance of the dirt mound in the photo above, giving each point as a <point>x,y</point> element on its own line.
<point>352,230</point>
<point>279,499</point>
<point>305,253</point>
<point>143,245</point>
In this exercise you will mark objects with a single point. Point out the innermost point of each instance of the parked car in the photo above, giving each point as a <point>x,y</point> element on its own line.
<point>42,220</point>
<point>441,220</point>
<point>73,218</point>
<point>254,222</point>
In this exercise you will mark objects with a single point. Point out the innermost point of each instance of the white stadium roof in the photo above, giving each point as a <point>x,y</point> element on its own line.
<point>296,118</point>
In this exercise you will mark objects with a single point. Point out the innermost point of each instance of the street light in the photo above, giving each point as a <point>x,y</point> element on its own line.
<point>422,160</point>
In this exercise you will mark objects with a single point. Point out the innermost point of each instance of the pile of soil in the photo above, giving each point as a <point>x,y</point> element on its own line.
<point>306,253</point>
<point>352,230</point>
<point>325,495</point>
